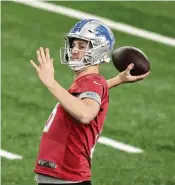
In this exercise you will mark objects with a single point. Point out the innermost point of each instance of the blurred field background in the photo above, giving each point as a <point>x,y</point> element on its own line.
<point>140,114</point>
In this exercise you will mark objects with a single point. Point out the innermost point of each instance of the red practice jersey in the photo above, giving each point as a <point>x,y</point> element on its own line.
<point>67,145</point>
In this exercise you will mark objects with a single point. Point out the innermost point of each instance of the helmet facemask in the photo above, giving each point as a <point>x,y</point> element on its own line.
<point>94,54</point>
<point>84,57</point>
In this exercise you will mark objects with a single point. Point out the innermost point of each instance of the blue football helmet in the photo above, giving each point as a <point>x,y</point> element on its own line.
<point>100,38</point>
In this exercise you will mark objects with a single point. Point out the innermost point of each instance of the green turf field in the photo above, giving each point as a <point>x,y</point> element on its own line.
<point>140,114</point>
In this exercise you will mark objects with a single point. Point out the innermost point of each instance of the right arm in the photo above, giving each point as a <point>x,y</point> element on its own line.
<point>125,77</point>
<point>84,110</point>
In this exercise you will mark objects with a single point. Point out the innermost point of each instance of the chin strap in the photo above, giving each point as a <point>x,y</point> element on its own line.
<point>75,68</point>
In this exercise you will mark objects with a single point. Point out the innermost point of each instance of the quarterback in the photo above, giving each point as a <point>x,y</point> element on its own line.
<point>75,124</point>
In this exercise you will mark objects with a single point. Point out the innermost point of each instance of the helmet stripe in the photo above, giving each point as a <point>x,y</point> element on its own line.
<point>79,25</point>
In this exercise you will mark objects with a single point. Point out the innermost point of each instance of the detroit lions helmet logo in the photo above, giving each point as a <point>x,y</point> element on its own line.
<point>104,32</point>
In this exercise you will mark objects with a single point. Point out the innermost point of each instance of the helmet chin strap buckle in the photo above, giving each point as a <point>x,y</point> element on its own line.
<point>78,68</point>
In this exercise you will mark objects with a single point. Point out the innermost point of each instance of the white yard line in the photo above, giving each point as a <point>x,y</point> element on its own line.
<point>119,145</point>
<point>9,155</point>
<point>102,140</point>
<point>114,25</point>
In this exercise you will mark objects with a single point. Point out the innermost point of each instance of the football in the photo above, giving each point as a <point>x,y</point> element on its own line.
<point>126,55</point>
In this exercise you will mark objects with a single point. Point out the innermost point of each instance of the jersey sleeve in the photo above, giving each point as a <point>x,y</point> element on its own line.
<point>91,95</point>
<point>91,87</point>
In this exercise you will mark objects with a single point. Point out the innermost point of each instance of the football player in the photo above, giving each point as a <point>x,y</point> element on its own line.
<point>75,124</point>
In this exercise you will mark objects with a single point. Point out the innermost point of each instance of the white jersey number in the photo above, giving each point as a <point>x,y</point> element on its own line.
<point>51,118</point>
<point>93,148</point>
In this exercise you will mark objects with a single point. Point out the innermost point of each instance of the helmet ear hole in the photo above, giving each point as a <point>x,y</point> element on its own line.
<point>90,45</point>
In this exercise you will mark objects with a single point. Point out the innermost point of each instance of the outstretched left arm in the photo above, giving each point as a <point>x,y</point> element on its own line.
<point>125,77</point>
